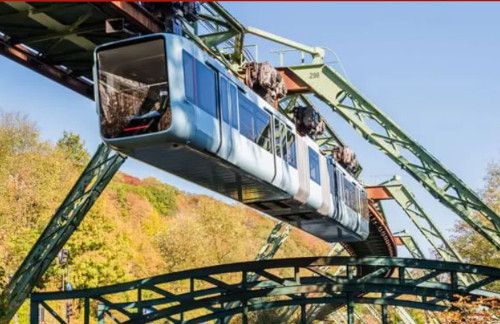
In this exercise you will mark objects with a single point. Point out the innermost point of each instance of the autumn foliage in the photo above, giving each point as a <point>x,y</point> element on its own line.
<point>137,228</point>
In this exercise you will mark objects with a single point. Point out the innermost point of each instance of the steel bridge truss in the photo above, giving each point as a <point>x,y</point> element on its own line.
<point>203,294</point>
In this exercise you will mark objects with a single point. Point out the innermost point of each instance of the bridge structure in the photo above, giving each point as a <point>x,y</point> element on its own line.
<point>57,40</point>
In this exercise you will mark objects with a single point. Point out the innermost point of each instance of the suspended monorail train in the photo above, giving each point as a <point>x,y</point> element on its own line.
<point>164,101</point>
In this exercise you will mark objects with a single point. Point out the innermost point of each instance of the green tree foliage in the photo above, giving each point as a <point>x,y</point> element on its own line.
<point>471,245</point>
<point>74,148</point>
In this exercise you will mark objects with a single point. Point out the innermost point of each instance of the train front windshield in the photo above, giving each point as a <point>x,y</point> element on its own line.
<point>133,89</point>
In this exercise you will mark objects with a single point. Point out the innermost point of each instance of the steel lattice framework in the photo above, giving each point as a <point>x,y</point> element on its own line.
<point>276,283</point>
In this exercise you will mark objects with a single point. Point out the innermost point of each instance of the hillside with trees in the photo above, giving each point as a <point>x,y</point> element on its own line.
<point>142,227</point>
<point>137,228</point>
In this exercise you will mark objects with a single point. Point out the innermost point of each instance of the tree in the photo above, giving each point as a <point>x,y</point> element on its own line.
<point>74,148</point>
<point>471,245</point>
<point>475,249</point>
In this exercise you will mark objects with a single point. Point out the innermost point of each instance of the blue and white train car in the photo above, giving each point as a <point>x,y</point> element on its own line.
<point>164,101</point>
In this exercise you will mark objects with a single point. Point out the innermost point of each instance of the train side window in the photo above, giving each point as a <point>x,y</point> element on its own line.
<point>278,136</point>
<point>234,105</point>
<point>262,131</point>
<point>364,205</point>
<point>246,117</point>
<point>340,185</point>
<point>289,149</point>
<point>332,174</point>
<point>356,199</point>
<point>188,65</point>
<point>350,194</point>
<point>205,88</point>
<point>224,102</point>
<point>314,166</point>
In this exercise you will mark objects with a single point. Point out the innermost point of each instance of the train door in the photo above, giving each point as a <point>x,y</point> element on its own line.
<point>201,91</point>
<point>332,173</point>
<point>234,121</point>
<point>280,176</point>
<point>225,109</point>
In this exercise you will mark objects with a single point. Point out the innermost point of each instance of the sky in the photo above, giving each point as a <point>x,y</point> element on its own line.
<point>431,67</point>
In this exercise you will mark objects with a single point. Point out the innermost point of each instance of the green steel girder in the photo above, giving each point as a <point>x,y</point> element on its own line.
<point>342,97</point>
<point>99,171</point>
<point>276,238</point>
<point>411,245</point>
<point>281,282</point>
<point>406,200</point>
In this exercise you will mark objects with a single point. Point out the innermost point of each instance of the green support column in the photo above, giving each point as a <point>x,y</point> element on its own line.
<point>276,238</point>
<point>416,253</point>
<point>99,171</point>
<point>34,311</point>
<point>86,311</point>
<point>342,97</point>
<point>350,311</point>
<point>383,314</point>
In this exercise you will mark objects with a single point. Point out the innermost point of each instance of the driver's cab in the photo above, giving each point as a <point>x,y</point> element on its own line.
<point>132,88</point>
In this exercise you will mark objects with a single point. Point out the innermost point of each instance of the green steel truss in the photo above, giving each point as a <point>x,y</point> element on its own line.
<point>276,238</point>
<point>410,245</point>
<point>406,200</point>
<point>422,220</point>
<point>280,283</point>
<point>99,171</point>
<point>381,131</point>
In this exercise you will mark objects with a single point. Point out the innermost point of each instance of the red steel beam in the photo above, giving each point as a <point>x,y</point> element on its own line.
<point>23,56</point>
<point>378,193</point>
<point>136,16</point>
<point>293,84</point>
